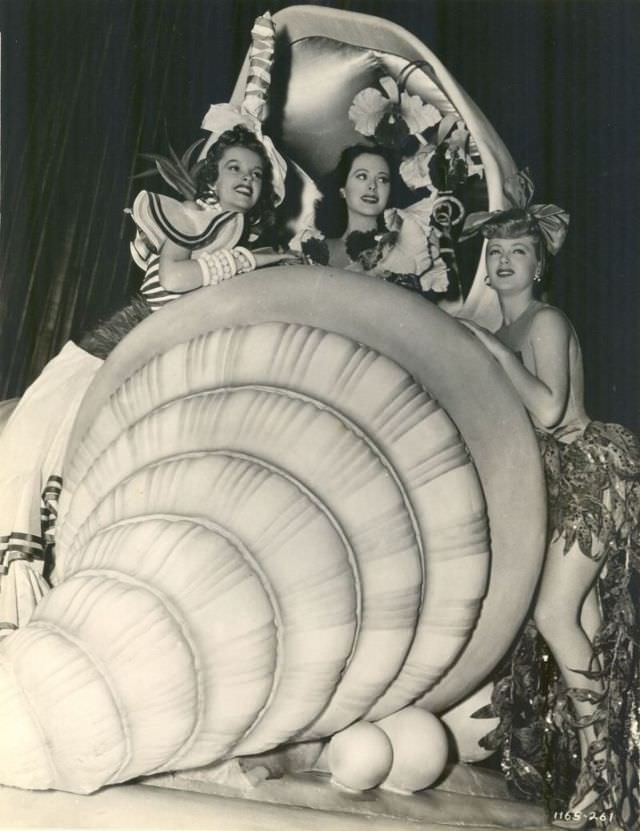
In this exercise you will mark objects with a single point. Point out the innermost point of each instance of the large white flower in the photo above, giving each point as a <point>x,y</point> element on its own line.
<point>370,106</point>
<point>416,245</point>
<point>367,109</point>
<point>419,213</point>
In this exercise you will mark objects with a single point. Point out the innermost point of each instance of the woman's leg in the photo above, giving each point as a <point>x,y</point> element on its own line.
<point>591,614</point>
<point>566,603</point>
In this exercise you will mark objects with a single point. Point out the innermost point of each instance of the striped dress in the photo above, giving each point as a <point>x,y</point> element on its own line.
<point>151,288</point>
<point>198,228</point>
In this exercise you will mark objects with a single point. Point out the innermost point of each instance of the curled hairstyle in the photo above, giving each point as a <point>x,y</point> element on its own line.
<point>239,136</point>
<point>517,222</point>
<point>331,214</point>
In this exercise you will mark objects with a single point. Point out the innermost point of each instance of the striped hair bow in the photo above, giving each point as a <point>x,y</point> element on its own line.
<point>253,110</point>
<point>552,221</point>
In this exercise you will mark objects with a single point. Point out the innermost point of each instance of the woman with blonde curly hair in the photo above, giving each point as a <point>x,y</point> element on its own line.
<point>580,702</point>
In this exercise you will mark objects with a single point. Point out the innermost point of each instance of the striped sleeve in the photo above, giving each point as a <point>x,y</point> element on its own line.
<point>152,290</point>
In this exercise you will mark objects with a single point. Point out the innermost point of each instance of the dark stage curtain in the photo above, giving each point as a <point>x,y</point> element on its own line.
<point>87,85</point>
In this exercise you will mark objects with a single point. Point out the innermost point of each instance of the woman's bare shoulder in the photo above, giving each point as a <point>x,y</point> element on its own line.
<point>548,320</point>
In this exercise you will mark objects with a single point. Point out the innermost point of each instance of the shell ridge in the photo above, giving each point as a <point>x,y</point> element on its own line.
<point>26,698</point>
<point>375,449</point>
<point>354,428</point>
<point>443,459</point>
<point>50,626</point>
<point>353,369</point>
<point>313,340</point>
<point>181,623</point>
<point>351,558</point>
<point>402,388</point>
<point>253,563</point>
<point>350,365</point>
<point>409,406</point>
<point>278,616</point>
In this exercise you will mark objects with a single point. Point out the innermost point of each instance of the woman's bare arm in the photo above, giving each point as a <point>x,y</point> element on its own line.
<point>543,390</point>
<point>179,273</point>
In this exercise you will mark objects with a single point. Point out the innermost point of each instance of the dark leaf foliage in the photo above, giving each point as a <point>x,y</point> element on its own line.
<point>407,281</point>
<point>392,130</point>
<point>178,172</point>
<point>594,499</point>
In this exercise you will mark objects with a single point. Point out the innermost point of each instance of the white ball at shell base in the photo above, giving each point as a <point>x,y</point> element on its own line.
<point>360,756</point>
<point>420,749</point>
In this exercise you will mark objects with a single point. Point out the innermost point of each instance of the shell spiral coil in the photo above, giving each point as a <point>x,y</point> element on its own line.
<point>268,532</point>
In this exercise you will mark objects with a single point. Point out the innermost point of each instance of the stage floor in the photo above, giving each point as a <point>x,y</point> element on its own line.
<point>469,797</point>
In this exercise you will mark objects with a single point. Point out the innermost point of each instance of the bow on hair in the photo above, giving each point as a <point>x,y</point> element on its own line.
<point>252,112</point>
<point>552,221</point>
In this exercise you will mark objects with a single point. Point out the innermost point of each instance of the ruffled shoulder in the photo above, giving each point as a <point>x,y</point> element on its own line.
<point>159,218</point>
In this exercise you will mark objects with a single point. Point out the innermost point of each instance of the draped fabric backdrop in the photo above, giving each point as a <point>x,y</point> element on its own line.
<point>88,85</point>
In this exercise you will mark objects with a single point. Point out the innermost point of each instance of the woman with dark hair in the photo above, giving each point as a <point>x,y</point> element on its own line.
<point>182,246</point>
<point>185,245</point>
<point>367,231</point>
<point>581,702</point>
<point>355,196</point>
<point>262,213</point>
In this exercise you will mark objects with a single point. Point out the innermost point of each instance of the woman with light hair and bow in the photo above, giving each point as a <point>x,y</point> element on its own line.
<point>585,607</point>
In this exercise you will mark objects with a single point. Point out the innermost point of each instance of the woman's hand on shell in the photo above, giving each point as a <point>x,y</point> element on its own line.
<point>484,336</point>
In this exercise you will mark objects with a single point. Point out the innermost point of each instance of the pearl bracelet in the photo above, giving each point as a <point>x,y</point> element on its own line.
<point>229,267</point>
<point>217,266</point>
<point>244,259</point>
<point>206,271</point>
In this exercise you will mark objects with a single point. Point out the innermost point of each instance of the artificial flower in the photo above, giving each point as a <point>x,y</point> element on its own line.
<point>312,245</point>
<point>476,169</point>
<point>459,136</point>
<point>435,278</point>
<point>306,233</point>
<point>367,109</point>
<point>418,115</point>
<point>315,251</point>
<point>413,250</point>
<point>419,212</point>
<point>446,162</point>
<point>367,247</point>
<point>458,144</point>
<point>414,170</point>
<point>392,116</point>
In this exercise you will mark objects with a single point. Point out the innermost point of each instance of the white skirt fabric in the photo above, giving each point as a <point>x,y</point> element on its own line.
<point>32,449</point>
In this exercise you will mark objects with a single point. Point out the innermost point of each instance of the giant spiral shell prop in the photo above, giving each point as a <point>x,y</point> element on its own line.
<point>285,510</point>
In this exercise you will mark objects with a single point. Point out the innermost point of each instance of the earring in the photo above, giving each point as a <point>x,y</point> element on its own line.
<point>211,196</point>
<point>538,275</point>
<point>341,192</point>
<point>487,281</point>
